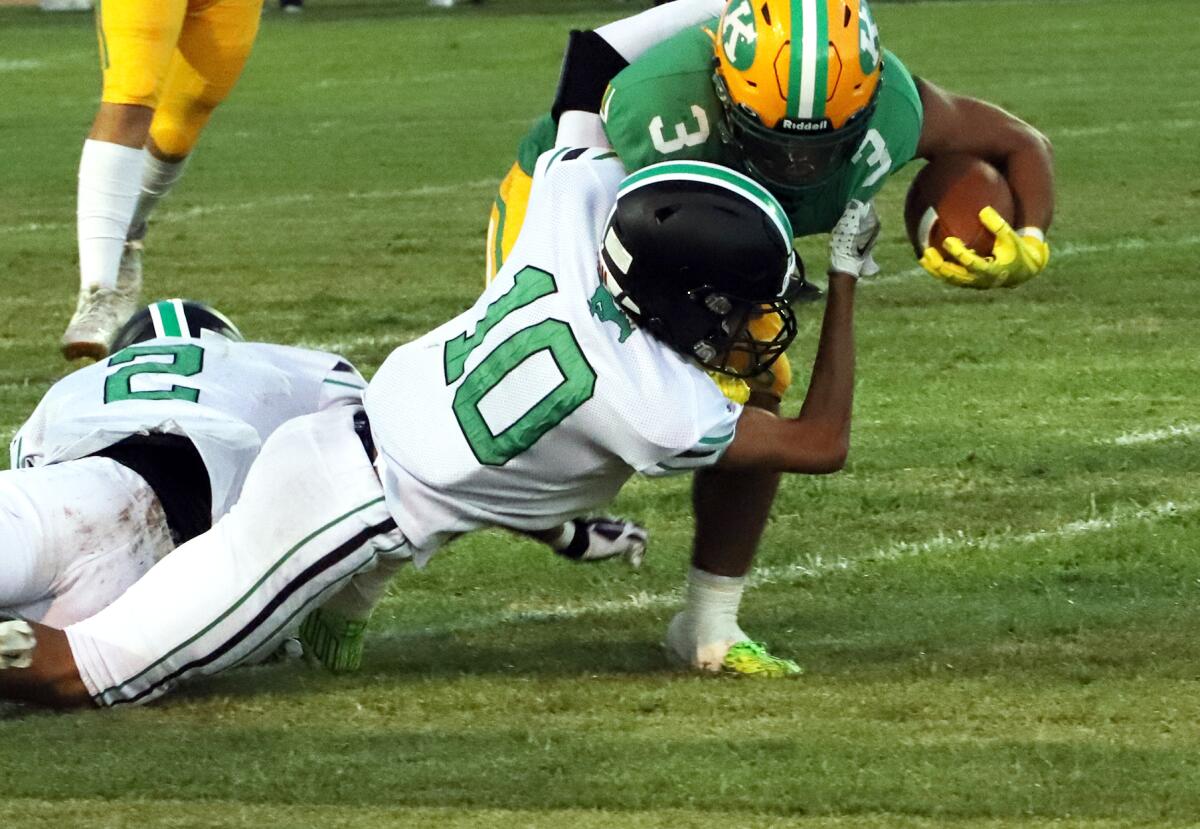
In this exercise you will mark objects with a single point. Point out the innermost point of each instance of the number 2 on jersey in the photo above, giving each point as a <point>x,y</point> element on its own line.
<point>550,335</point>
<point>186,360</point>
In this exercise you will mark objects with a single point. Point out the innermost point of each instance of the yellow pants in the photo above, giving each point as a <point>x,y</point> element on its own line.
<point>180,58</point>
<point>508,214</point>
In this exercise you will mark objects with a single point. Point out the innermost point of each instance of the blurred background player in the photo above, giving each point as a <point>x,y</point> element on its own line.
<point>166,65</point>
<point>799,95</point>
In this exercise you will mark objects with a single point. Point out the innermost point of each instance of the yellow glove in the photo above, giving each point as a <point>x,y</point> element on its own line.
<point>1016,257</point>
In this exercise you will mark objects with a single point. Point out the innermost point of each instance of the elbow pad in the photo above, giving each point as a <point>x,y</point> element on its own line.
<point>588,65</point>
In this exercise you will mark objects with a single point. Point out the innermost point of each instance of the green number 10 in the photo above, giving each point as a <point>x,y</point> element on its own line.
<point>550,335</point>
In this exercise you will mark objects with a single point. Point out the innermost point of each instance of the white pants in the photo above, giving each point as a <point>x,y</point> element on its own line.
<point>74,536</point>
<point>311,517</point>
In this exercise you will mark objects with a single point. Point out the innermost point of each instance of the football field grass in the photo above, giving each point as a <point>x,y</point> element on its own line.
<point>995,603</point>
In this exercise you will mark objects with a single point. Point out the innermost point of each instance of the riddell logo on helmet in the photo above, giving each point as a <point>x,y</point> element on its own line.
<point>804,126</point>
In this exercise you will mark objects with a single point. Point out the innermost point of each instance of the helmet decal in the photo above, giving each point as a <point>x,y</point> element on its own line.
<point>808,75</point>
<point>868,39</point>
<point>797,98</point>
<point>720,176</point>
<point>173,318</point>
<point>739,34</point>
<point>616,251</point>
<point>169,319</point>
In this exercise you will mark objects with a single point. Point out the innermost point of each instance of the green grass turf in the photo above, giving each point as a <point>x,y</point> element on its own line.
<point>995,603</point>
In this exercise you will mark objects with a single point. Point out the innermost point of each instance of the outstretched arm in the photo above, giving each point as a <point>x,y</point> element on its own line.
<point>817,440</point>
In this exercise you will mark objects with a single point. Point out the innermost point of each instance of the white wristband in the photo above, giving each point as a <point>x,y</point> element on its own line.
<point>1035,232</point>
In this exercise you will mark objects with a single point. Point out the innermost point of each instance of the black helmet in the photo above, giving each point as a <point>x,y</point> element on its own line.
<point>173,318</point>
<point>694,252</point>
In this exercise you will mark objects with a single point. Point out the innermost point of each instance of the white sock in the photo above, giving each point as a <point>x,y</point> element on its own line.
<point>707,626</point>
<point>109,178</point>
<point>158,177</point>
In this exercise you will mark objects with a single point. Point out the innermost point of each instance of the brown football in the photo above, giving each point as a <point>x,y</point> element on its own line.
<point>945,199</point>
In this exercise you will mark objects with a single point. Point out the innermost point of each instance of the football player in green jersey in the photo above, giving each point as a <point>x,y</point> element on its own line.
<point>800,95</point>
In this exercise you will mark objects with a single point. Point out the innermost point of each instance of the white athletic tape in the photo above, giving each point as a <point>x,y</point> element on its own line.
<point>926,226</point>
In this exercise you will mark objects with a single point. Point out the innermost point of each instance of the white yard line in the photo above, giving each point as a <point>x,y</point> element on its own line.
<point>21,65</point>
<point>1183,430</point>
<point>172,216</point>
<point>1173,124</point>
<point>815,567</point>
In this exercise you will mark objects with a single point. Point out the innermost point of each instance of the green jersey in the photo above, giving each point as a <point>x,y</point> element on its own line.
<point>663,107</point>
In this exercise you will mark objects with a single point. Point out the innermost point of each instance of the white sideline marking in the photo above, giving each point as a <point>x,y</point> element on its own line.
<point>1184,430</point>
<point>819,566</point>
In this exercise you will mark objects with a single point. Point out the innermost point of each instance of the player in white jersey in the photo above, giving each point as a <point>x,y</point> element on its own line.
<point>581,364</point>
<point>125,459</point>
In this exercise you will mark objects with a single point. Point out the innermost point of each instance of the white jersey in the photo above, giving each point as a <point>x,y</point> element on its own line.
<point>224,396</point>
<point>538,403</point>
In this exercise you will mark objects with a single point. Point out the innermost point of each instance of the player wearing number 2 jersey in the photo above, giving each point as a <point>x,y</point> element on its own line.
<point>583,363</point>
<point>125,459</point>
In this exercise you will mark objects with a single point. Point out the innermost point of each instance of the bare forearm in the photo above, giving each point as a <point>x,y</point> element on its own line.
<point>1030,174</point>
<point>831,390</point>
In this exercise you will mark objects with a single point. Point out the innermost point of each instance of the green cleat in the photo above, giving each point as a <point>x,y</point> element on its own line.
<point>750,658</point>
<point>335,641</point>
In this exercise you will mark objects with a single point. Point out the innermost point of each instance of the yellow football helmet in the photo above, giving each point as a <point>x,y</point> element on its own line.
<point>798,80</point>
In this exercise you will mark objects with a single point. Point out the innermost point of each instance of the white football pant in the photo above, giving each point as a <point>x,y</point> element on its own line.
<point>74,536</point>
<point>311,516</point>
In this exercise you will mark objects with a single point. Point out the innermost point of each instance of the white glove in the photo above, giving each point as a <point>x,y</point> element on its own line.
<point>853,239</point>
<point>600,538</point>
<point>16,644</point>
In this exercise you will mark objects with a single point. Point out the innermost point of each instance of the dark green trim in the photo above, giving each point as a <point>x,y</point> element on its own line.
<point>347,385</point>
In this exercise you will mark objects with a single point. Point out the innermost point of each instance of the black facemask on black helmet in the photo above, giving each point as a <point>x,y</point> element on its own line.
<point>695,253</point>
<point>173,318</point>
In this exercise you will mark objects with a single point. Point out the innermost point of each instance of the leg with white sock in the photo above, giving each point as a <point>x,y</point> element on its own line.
<point>731,509</point>
<point>137,41</point>
<point>159,175</point>
<point>110,176</point>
